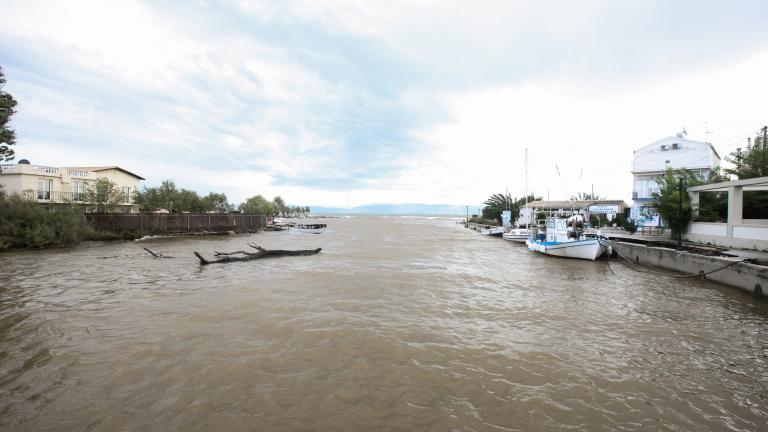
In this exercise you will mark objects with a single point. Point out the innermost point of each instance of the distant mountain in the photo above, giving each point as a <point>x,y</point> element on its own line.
<point>404,209</point>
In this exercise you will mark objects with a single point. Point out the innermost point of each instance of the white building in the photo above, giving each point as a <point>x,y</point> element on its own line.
<point>652,161</point>
<point>50,186</point>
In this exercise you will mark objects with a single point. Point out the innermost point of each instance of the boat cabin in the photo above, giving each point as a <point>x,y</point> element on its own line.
<point>563,230</point>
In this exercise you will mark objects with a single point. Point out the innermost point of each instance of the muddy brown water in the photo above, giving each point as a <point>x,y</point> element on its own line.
<point>400,324</point>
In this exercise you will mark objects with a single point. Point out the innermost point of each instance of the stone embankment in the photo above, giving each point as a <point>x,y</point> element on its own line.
<point>748,276</point>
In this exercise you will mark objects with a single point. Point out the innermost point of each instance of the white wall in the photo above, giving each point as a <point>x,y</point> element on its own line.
<point>689,154</point>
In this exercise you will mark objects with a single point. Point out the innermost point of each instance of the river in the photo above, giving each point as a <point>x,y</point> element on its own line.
<point>400,324</point>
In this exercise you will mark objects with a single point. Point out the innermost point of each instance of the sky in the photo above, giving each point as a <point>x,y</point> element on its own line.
<point>346,103</point>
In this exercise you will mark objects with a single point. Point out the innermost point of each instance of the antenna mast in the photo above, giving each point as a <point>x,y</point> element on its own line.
<point>706,132</point>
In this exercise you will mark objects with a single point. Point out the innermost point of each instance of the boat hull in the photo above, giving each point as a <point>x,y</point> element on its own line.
<point>493,232</point>
<point>589,249</point>
<point>519,238</point>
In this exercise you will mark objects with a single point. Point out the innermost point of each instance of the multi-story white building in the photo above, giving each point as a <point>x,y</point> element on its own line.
<point>652,161</point>
<point>55,185</point>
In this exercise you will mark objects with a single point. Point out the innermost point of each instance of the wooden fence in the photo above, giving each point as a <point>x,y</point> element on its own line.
<point>176,223</point>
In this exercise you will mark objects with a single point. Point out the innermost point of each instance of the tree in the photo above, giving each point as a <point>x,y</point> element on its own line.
<point>168,196</point>
<point>498,203</point>
<point>217,202</point>
<point>188,201</point>
<point>148,200</point>
<point>675,209</point>
<point>7,135</point>
<point>586,196</point>
<point>279,205</point>
<point>103,196</point>
<point>753,162</point>
<point>257,205</point>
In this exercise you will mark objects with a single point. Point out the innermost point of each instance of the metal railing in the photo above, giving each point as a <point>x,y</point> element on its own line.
<point>52,196</point>
<point>78,173</point>
<point>45,169</point>
<point>60,197</point>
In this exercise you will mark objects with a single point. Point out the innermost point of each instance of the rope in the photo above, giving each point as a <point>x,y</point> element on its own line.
<point>670,274</point>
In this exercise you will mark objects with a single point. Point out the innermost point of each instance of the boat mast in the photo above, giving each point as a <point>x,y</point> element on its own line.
<point>528,222</point>
<point>526,176</point>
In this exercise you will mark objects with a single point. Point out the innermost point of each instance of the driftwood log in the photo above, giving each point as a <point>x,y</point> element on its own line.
<point>157,254</point>
<point>226,257</point>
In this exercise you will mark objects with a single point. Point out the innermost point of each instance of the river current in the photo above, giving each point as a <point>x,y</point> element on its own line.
<point>399,324</point>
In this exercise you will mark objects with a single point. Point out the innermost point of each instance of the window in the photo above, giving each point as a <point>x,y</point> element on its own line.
<point>126,194</point>
<point>78,190</point>
<point>44,187</point>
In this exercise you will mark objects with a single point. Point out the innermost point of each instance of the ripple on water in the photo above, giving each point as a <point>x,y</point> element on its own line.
<point>400,324</point>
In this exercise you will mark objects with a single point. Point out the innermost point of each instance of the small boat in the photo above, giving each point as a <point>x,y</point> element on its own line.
<point>307,228</point>
<point>519,235</point>
<point>493,231</point>
<point>565,238</point>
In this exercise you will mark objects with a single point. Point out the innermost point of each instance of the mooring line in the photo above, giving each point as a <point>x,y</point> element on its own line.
<point>670,274</point>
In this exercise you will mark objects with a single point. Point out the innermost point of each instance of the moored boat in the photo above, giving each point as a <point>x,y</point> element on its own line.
<point>565,238</point>
<point>493,231</point>
<point>519,235</point>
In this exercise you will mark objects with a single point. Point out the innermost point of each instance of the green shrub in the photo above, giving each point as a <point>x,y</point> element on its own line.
<point>25,224</point>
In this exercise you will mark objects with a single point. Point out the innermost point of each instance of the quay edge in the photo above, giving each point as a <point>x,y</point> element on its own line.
<point>745,276</point>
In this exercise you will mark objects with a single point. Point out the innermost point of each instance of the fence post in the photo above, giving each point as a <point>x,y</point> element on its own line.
<point>209,222</point>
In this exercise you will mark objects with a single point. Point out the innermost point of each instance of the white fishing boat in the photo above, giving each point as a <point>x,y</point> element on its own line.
<point>493,231</point>
<point>519,235</point>
<point>565,238</point>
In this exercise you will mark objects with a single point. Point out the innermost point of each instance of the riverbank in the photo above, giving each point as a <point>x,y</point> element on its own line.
<point>26,225</point>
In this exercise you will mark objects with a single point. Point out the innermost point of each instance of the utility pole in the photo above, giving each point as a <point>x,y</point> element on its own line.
<point>680,214</point>
<point>765,146</point>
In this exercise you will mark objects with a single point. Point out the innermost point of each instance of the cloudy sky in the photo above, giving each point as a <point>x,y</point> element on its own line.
<point>346,103</point>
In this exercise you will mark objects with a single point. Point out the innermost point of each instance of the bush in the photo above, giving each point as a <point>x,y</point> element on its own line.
<point>25,224</point>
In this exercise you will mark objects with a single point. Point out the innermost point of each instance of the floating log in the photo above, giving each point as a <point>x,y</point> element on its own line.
<point>156,254</point>
<point>226,257</point>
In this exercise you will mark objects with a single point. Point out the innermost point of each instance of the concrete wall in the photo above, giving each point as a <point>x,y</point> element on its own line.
<point>709,229</point>
<point>742,275</point>
<point>742,236</point>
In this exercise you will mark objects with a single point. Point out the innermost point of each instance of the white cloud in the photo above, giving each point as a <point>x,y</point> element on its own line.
<point>388,101</point>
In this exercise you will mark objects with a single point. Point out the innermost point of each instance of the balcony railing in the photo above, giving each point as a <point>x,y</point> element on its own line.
<point>9,168</point>
<point>61,197</point>
<point>45,169</point>
<point>41,169</point>
<point>53,196</point>
<point>78,173</point>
